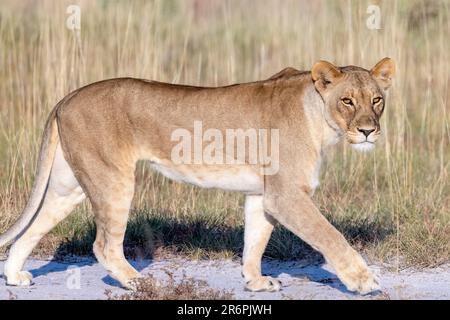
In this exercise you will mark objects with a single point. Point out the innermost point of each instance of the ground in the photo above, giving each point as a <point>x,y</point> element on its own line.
<point>59,280</point>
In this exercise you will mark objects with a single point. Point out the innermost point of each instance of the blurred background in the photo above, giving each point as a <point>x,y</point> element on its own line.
<point>393,204</point>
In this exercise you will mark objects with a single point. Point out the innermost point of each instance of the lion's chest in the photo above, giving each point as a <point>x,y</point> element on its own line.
<point>314,174</point>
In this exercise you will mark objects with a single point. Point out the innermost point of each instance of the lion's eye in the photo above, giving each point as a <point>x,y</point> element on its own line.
<point>347,101</point>
<point>376,100</point>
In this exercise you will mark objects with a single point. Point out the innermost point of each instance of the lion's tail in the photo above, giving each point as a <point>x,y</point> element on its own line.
<point>46,156</point>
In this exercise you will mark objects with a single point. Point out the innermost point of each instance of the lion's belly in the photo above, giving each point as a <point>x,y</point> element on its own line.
<point>238,178</point>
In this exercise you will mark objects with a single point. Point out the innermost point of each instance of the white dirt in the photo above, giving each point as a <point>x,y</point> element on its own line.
<point>85,279</point>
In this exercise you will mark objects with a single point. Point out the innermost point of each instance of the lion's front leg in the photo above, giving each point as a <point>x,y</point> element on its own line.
<point>258,228</point>
<point>297,212</point>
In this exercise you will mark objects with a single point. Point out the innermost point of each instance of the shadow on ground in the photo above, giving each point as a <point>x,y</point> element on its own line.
<point>313,272</point>
<point>148,233</point>
<point>206,237</point>
<point>58,265</point>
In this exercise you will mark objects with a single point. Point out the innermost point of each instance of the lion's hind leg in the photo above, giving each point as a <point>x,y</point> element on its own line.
<point>111,204</point>
<point>63,194</point>
<point>111,224</point>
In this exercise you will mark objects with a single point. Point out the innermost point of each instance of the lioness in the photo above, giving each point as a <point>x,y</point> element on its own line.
<point>95,135</point>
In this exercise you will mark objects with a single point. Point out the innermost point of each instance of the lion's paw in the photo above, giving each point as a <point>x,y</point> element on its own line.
<point>20,278</point>
<point>263,284</point>
<point>360,280</point>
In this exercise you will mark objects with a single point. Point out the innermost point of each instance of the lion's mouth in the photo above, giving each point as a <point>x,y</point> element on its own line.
<point>364,146</point>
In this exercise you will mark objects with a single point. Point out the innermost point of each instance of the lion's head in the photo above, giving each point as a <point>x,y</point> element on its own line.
<point>355,98</point>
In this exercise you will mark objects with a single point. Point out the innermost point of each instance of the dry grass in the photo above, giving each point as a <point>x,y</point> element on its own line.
<point>393,203</point>
<point>149,288</point>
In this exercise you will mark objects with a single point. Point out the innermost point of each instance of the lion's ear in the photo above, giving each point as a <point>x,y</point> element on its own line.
<point>383,72</point>
<point>325,74</point>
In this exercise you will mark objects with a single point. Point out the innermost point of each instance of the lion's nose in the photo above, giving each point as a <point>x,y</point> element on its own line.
<point>366,132</point>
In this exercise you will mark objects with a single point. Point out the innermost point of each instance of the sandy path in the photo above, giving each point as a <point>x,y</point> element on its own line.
<point>86,279</point>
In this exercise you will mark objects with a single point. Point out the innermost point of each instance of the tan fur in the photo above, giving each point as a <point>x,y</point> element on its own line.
<point>104,128</point>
